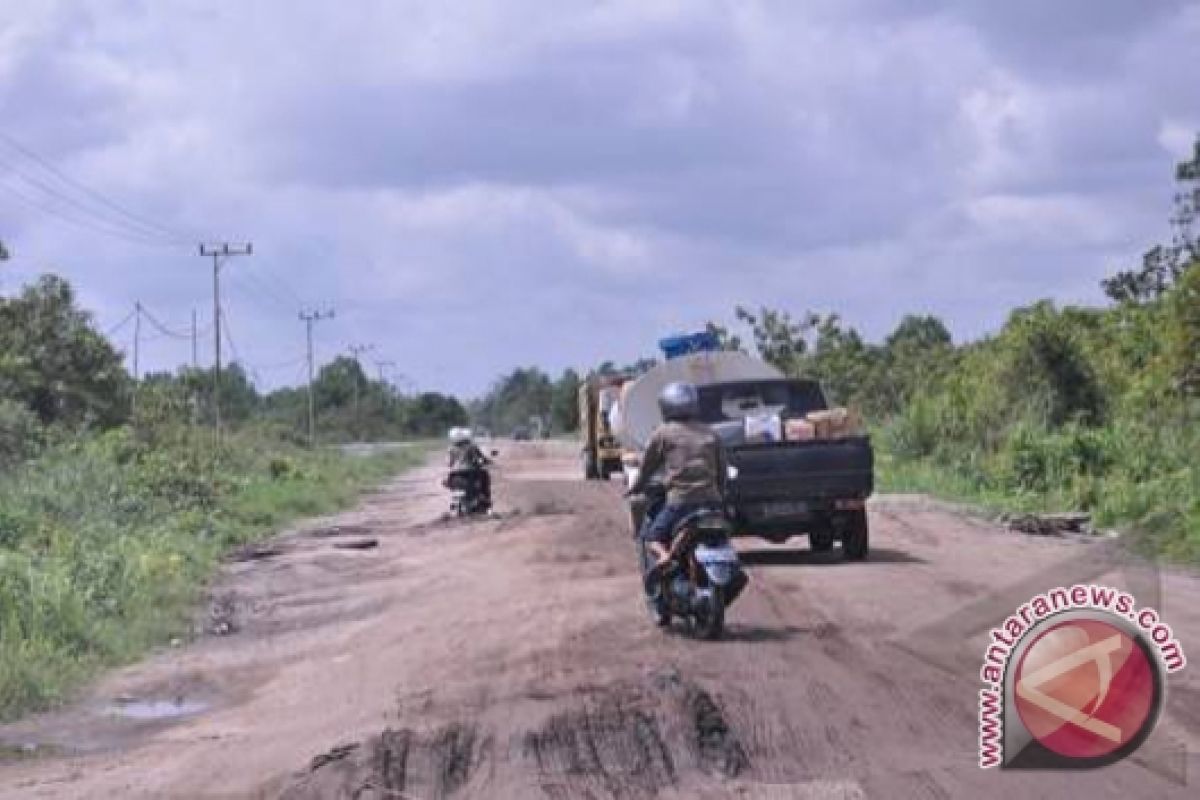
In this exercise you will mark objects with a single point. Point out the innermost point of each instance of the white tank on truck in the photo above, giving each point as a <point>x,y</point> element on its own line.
<point>636,414</point>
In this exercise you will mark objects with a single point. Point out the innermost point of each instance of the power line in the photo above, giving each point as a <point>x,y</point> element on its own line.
<point>82,222</point>
<point>229,339</point>
<point>273,278</point>
<point>111,331</point>
<point>268,291</point>
<point>158,337</point>
<point>279,365</point>
<point>134,220</point>
<point>89,211</point>
<point>255,292</point>
<point>163,329</point>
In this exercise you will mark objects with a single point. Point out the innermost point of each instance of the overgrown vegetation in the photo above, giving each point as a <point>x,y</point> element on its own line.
<point>116,502</point>
<point>1064,408</point>
<point>105,541</point>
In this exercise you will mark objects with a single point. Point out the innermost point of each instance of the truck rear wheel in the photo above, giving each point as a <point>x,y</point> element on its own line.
<point>856,536</point>
<point>820,540</point>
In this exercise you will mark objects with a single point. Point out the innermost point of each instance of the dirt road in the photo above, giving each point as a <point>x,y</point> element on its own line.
<point>388,654</point>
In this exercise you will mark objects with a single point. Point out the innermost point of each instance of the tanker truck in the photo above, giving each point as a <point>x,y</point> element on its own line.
<point>794,466</point>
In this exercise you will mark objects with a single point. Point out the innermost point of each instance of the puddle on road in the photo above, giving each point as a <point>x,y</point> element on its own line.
<point>151,710</point>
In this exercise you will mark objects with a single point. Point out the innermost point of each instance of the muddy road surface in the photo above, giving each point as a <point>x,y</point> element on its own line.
<point>386,653</point>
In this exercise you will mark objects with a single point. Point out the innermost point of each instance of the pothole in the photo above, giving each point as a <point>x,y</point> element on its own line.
<point>339,530</point>
<point>719,748</point>
<point>156,710</point>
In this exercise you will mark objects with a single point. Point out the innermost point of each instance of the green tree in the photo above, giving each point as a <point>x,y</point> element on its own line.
<point>1163,265</point>
<point>1045,369</point>
<point>288,405</point>
<point>848,368</point>
<point>779,340</point>
<point>639,367</point>
<point>20,433</point>
<point>337,383</point>
<point>515,398</point>
<point>919,333</point>
<point>1159,271</point>
<point>432,414</point>
<point>1183,333</point>
<point>725,339</point>
<point>193,392</point>
<point>917,352</point>
<point>564,410</point>
<point>55,362</point>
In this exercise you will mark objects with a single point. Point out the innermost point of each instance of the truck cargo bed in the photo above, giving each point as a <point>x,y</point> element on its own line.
<point>786,485</point>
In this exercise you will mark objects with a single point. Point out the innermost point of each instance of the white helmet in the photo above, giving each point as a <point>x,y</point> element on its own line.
<point>460,435</point>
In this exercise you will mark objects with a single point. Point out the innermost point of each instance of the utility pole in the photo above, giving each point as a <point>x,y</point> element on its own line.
<point>383,384</point>
<point>137,343</point>
<point>381,364</point>
<point>219,253</point>
<point>310,317</point>
<point>137,338</point>
<point>195,349</point>
<point>357,350</point>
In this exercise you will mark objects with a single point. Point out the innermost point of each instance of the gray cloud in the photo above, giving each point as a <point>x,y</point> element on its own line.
<point>479,185</point>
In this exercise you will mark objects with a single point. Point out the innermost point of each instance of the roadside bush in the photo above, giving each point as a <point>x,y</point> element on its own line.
<point>1078,410</point>
<point>1038,460</point>
<point>20,433</point>
<point>916,433</point>
<point>105,541</point>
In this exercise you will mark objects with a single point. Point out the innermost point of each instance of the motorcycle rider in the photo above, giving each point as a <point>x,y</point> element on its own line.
<point>692,459</point>
<point>464,454</point>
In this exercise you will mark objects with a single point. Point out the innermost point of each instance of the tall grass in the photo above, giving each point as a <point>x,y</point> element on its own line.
<point>106,542</point>
<point>1139,477</point>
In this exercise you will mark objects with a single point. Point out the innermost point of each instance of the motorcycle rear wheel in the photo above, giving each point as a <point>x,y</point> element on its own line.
<point>708,620</point>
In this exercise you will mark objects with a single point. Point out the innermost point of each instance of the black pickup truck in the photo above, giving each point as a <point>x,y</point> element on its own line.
<point>779,489</point>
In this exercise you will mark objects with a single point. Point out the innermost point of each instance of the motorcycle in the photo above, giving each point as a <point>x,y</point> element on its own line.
<point>702,576</point>
<point>470,488</point>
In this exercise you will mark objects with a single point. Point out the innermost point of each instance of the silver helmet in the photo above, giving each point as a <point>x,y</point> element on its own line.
<point>679,401</point>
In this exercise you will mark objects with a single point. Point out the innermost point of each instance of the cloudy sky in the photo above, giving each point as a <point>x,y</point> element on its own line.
<point>474,186</point>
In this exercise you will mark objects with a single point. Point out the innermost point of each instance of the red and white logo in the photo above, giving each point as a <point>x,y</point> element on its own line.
<point>1085,689</point>
<point>1076,678</point>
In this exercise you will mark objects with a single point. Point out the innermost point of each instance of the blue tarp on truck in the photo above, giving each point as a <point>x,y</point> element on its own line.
<point>686,344</point>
